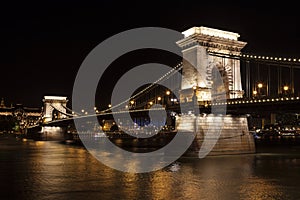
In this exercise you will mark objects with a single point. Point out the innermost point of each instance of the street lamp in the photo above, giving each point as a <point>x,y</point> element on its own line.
<point>109,105</point>
<point>166,99</point>
<point>260,92</point>
<point>254,93</point>
<point>285,89</point>
<point>158,98</point>
<point>132,102</point>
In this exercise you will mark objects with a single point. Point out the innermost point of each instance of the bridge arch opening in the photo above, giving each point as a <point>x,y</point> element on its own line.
<point>222,86</point>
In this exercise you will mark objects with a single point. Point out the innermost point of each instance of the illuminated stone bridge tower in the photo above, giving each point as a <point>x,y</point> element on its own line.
<point>54,108</point>
<point>200,46</point>
<point>207,50</point>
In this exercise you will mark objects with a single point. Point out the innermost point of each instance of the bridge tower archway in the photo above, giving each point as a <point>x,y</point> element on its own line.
<point>218,88</point>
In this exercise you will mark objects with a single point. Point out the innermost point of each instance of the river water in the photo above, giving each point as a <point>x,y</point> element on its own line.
<point>41,170</point>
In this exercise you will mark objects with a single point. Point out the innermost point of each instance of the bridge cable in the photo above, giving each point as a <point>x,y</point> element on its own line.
<point>67,114</point>
<point>161,79</point>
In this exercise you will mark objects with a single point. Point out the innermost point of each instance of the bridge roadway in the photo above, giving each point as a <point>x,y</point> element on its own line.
<point>263,107</point>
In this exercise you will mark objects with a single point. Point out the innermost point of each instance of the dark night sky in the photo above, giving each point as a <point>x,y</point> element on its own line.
<point>43,43</point>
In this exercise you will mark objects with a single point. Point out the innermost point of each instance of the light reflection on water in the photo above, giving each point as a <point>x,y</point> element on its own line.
<point>49,170</point>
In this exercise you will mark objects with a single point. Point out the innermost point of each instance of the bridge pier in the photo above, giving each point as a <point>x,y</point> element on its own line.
<point>232,137</point>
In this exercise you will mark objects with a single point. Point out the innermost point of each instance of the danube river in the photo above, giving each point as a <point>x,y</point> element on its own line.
<point>41,170</point>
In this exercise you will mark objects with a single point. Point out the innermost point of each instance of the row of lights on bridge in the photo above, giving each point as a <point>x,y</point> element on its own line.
<point>256,101</point>
<point>253,101</point>
<point>270,58</point>
<point>263,57</point>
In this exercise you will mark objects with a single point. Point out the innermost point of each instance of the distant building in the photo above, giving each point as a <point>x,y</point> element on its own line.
<point>18,116</point>
<point>2,104</point>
